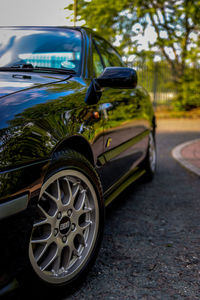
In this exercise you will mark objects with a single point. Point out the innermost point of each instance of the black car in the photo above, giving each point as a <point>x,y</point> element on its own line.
<point>75,130</point>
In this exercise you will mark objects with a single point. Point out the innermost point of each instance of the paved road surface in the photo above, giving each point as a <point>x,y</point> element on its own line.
<point>151,246</point>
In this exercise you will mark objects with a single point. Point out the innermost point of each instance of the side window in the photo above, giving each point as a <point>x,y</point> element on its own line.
<point>110,57</point>
<point>97,63</point>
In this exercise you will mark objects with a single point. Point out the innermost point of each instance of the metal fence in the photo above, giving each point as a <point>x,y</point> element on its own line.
<point>157,80</point>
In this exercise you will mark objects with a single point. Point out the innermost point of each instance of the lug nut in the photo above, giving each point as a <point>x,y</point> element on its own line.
<point>55,231</point>
<point>64,239</point>
<point>73,226</point>
<point>69,212</point>
<point>59,215</point>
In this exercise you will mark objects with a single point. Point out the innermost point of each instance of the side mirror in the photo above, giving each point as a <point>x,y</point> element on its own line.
<point>118,77</point>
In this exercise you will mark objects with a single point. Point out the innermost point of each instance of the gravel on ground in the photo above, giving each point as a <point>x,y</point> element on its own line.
<point>151,246</point>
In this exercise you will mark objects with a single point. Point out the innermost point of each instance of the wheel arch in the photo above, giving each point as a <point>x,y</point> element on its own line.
<point>77,143</point>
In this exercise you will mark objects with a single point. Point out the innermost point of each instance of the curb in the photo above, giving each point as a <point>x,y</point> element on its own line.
<point>176,153</point>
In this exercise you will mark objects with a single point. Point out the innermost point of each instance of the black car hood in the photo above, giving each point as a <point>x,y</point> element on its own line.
<point>12,82</point>
<point>35,113</point>
<point>20,91</point>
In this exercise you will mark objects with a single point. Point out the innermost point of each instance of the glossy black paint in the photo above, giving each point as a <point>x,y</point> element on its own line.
<point>42,114</point>
<point>118,77</point>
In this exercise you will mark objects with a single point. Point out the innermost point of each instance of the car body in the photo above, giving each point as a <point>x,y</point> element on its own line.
<point>68,90</point>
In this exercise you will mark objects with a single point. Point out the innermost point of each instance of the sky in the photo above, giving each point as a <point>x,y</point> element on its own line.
<point>49,13</point>
<point>33,12</point>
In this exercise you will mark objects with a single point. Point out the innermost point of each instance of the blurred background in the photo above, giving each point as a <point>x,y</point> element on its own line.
<point>160,39</point>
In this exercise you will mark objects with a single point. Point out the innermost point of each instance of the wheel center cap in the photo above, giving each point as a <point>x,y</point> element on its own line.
<point>65,225</point>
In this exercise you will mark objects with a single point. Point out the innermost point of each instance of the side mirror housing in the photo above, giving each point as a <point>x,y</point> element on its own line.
<point>118,77</point>
<point>93,93</point>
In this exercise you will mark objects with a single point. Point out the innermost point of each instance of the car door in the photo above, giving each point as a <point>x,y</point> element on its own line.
<point>125,121</point>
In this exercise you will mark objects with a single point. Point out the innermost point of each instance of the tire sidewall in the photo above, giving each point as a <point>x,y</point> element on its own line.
<point>77,162</point>
<point>147,164</point>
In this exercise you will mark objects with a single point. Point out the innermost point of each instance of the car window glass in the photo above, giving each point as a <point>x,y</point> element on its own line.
<point>97,64</point>
<point>43,47</point>
<point>110,57</point>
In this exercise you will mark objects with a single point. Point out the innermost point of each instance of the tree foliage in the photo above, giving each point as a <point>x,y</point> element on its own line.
<point>176,24</point>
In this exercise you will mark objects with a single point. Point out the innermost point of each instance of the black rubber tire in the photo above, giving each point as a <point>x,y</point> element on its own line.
<point>150,172</point>
<point>64,160</point>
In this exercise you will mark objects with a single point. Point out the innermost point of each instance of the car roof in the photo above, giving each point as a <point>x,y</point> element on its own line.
<point>46,27</point>
<point>82,28</point>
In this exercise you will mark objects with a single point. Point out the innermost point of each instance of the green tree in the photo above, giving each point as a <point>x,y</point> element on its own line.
<point>176,24</point>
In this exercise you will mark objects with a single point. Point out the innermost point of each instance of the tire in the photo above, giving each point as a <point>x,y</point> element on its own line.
<point>68,229</point>
<point>151,158</point>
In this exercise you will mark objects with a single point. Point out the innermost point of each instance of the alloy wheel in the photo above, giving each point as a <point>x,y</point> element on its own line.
<point>66,227</point>
<point>152,153</point>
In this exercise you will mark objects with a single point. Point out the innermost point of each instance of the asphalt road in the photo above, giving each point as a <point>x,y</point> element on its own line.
<point>151,246</point>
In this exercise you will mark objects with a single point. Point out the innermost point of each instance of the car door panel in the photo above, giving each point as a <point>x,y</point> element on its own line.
<point>126,124</point>
<point>125,133</point>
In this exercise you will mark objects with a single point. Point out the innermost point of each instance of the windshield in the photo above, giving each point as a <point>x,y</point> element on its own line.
<point>57,48</point>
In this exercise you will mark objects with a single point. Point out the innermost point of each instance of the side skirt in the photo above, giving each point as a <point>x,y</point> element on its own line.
<point>122,184</point>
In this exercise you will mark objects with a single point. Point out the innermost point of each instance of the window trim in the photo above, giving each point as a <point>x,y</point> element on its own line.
<point>106,42</point>
<point>99,53</point>
<point>97,49</point>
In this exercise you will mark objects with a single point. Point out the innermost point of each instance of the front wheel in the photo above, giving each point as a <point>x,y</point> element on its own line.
<point>68,228</point>
<point>151,158</point>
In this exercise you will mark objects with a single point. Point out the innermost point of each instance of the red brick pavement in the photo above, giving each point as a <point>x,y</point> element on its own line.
<point>191,153</point>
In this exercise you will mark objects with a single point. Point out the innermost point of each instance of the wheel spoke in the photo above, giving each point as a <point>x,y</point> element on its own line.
<point>51,196</point>
<point>41,222</point>
<point>44,212</point>
<point>81,212</point>
<point>75,192</point>
<point>69,189</point>
<point>80,201</point>
<point>85,225</point>
<point>76,253</point>
<point>58,190</point>
<point>41,240</point>
<point>71,248</point>
<point>82,240</point>
<point>83,192</point>
<point>56,264</point>
<point>49,219</point>
<point>49,261</point>
<point>42,252</point>
<point>87,210</point>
